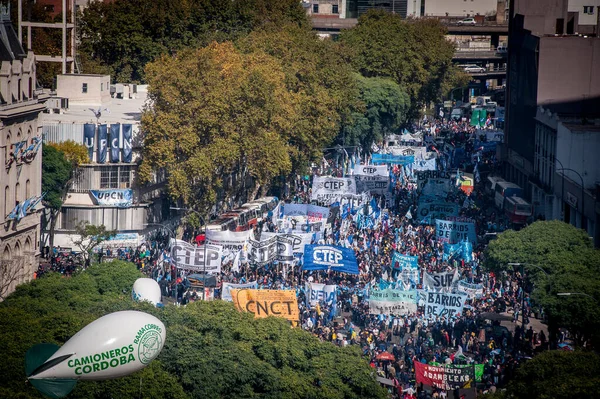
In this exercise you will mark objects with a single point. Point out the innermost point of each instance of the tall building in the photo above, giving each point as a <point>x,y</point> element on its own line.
<point>21,154</point>
<point>553,67</point>
<point>106,119</point>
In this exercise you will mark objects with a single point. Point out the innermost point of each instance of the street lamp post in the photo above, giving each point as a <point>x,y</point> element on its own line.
<point>523,294</point>
<point>174,237</point>
<point>576,293</point>
<point>203,220</point>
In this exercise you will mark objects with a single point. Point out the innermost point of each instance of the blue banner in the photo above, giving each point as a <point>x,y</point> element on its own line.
<point>127,143</point>
<point>115,138</point>
<point>462,250</point>
<point>89,134</point>
<point>329,257</point>
<point>102,143</point>
<point>455,232</point>
<point>392,159</point>
<point>402,262</point>
<point>120,198</point>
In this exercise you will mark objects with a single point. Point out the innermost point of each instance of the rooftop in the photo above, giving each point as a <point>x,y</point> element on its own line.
<point>117,111</point>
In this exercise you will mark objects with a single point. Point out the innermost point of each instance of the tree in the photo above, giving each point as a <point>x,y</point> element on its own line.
<point>211,349</point>
<point>557,375</point>
<point>121,37</point>
<point>415,54</point>
<point>89,236</point>
<point>59,164</point>
<point>261,110</point>
<point>11,272</point>
<point>570,263</point>
<point>386,111</point>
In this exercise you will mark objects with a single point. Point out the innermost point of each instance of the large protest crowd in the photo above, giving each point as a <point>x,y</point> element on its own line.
<point>397,345</point>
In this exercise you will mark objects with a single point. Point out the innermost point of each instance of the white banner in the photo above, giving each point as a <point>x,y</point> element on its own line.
<point>371,170</point>
<point>227,287</point>
<point>424,175</point>
<point>441,304</point>
<point>326,189</point>
<point>424,164</point>
<point>392,302</point>
<point>231,241</point>
<point>442,282</point>
<point>189,257</point>
<point>418,152</point>
<point>298,240</point>
<point>472,290</point>
<point>313,213</point>
<point>316,293</point>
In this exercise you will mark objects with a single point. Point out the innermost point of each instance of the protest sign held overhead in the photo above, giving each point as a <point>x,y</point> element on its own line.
<point>329,257</point>
<point>444,281</point>
<point>446,378</point>
<point>227,287</point>
<point>265,303</point>
<point>441,304</point>
<point>392,302</point>
<point>454,232</point>
<point>325,189</point>
<point>323,293</point>
<point>230,241</point>
<point>189,257</point>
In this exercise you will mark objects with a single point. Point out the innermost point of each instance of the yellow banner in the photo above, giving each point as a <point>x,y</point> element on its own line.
<point>264,303</point>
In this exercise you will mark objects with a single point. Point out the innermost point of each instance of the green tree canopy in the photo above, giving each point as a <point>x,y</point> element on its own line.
<point>415,54</point>
<point>121,37</point>
<point>557,375</point>
<point>571,264</point>
<point>56,174</point>
<point>386,106</point>
<point>212,350</point>
<point>261,110</point>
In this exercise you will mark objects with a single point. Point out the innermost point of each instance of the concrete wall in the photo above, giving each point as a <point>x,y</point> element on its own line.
<point>585,19</point>
<point>568,69</point>
<point>458,8</point>
<point>541,15</point>
<point>577,148</point>
<point>71,87</point>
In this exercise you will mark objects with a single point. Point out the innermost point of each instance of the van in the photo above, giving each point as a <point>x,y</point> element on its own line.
<point>505,189</point>
<point>490,184</point>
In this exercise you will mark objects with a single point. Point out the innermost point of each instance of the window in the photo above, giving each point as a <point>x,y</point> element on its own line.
<point>101,86</point>
<point>334,9</point>
<point>588,10</point>
<point>84,88</point>
<point>7,207</point>
<point>27,189</point>
<point>315,8</point>
<point>115,177</point>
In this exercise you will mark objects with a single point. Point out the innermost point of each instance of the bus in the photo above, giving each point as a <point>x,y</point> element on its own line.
<point>505,189</point>
<point>265,204</point>
<point>222,224</point>
<point>517,209</point>
<point>490,184</point>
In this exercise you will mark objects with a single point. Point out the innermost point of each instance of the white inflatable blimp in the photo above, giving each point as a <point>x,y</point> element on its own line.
<point>113,346</point>
<point>146,289</point>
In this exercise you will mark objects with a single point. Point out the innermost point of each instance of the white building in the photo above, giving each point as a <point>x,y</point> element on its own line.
<point>21,158</point>
<point>105,190</point>
<point>452,8</point>
<point>587,14</point>
<point>566,183</point>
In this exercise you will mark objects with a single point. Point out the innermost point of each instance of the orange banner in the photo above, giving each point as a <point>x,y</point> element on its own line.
<point>264,303</point>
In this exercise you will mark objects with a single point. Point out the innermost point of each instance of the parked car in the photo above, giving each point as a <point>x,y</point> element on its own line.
<point>468,21</point>
<point>474,69</point>
<point>502,49</point>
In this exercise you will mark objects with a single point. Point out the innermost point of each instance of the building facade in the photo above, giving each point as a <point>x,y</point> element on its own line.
<point>21,157</point>
<point>554,71</point>
<point>105,191</point>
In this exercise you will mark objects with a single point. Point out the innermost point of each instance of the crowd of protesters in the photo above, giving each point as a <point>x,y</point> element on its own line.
<point>473,337</point>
